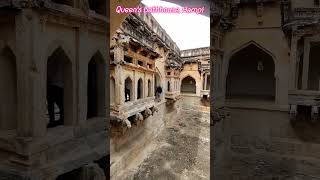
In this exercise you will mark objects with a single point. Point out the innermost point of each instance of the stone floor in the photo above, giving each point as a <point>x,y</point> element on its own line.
<point>182,151</point>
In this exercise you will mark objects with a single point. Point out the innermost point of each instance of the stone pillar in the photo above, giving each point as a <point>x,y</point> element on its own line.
<point>305,71</point>
<point>152,85</point>
<point>28,73</point>
<point>119,80</point>
<point>82,60</point>
<point>205,81</point>
<point>135,86</point>
<point>293,62</point>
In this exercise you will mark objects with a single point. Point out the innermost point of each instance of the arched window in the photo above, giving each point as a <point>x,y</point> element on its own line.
<point>112,90</point>
<point>59,89</point>
<point>149,88</point>
<point>188,85</point>
<point>128,90</point>
<point>157,82</point>
<point>8,88</point>
<point>96,87</point>
<point>140,89</point>
<point>168,88</point>
<point>251,74</point>
<point>208,82</point>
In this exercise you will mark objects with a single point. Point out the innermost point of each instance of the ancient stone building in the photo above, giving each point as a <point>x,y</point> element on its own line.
<point>60,43</point>
<point>144,58</point>
<point>267,76</point>
<point>195,76</point>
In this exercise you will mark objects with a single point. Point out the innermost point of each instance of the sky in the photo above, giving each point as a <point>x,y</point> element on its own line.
<point>187,30</point>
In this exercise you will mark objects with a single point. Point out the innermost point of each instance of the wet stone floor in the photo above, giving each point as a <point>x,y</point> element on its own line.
<point>182,151</point>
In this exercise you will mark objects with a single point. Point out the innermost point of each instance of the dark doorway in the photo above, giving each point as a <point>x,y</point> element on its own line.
<point>128,90</point>
<point>140,89</point>
<point>59,88</point>
<point>8,89</point>
<point>251,75</point>
<point>314,67</point>
<point>95,88</point>
<point>188,85</point>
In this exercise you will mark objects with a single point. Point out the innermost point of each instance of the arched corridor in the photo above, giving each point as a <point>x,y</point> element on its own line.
<point>251,74</point>
<point>140,89</point>
<point>128,89</point>
<point>314,67</point>
<point>8,89</point>
<point>95,87</point>
<point>188,85</point>
<point>59,88</point>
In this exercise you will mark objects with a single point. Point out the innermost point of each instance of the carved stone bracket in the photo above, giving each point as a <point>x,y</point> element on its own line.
<point>314,114</point>
<point>147,113</point>
<point>293,114</point>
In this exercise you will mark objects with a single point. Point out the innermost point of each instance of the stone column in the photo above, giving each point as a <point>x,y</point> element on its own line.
<point>152,85</point>
<point>205,81</point>
<point>82,59</point>
<point>305,71</point>
<point>30,85</point>
<point>293,62</point>
<point>119,80</point>
<point>135,86</point>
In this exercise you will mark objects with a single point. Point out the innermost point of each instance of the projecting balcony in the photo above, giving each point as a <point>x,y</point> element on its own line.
<point>205,93</point>
<point>132,111</point>
<point>172,95</point>
<point>304,104</point>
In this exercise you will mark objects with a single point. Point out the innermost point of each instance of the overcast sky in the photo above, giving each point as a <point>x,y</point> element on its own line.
<point>187,30</point>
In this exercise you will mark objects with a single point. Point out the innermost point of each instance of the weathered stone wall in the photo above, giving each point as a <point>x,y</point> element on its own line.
<point>192,71</point>
<point>128,144</point>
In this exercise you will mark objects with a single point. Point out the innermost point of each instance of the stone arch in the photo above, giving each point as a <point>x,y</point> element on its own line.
<point>60,43</point>
<point>241,47</point>
<point>251,73</point>
<point>128,89</point>
<point>59,88</point>
<point>8,87</point>
<point>157,81</point>
<point>188,85</point>
<point>140,89</point>
<point>96,86</point>
<point>314,68</point>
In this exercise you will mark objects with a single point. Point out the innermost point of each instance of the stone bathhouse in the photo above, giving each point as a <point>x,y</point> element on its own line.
<point>143,58</point>
<point>266,76</point>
